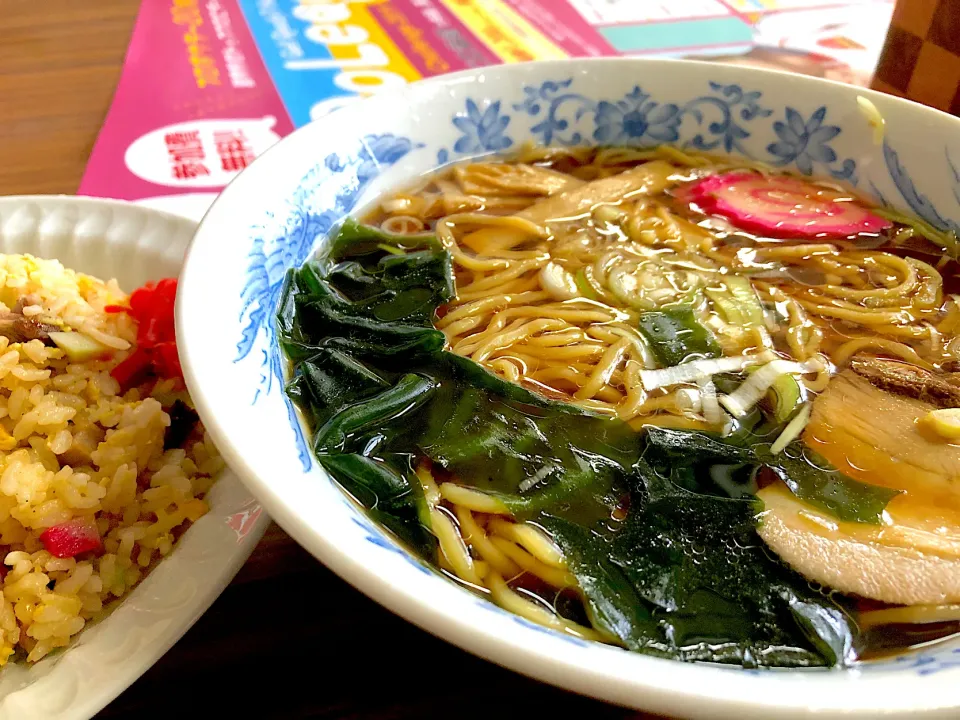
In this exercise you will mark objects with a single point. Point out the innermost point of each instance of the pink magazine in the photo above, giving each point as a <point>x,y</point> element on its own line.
<point>210,84</point>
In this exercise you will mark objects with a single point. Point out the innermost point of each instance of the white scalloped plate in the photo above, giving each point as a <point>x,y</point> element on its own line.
<point>107,238</point>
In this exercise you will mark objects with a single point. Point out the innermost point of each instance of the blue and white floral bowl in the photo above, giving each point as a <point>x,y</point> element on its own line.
<point>272,216</point>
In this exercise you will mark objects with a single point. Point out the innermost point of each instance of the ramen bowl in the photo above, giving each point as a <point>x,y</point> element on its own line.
<point>274,215</point>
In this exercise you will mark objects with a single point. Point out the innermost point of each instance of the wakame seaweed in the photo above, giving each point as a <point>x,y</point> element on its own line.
<point>688,577</point>
<point>683,575</point>
<point>808,475</point>
<point>675,335</point>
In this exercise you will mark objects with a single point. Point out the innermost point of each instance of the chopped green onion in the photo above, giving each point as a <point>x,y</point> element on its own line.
<point>737,302</point>
<point>746,297</point>
<point>693,371</point>
<point>712,412</point>
<point>729,308</point>
<point>586,289</point>
<point>77,346</point>
<point>689,400</point>
<point>785,397</point>
<point>740,401</point>
<point>557,281</point>
<point>792,431</point>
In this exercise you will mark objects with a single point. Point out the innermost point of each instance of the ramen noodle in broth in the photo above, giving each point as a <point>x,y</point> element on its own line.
<point>722,402</point>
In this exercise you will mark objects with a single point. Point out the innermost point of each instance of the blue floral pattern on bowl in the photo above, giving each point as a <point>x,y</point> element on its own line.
<point>482,131</point>
<point>636,116</point>
<point>721,119</point>
<point>637,119</point>
<point>271,257</point>
<point>927,663</point>
<point>807,144</point>
<point>920,204</point>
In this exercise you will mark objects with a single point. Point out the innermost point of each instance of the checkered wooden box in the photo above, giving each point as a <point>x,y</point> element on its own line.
<point>921,57</point>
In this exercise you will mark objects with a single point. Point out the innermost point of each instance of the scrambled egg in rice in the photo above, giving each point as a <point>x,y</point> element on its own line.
<point>95,484</point>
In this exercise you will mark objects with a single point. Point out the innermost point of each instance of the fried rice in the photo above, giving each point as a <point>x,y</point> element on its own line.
<point>73,444</point>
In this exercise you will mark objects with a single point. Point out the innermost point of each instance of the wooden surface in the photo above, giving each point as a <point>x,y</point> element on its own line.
<point>287,639</point>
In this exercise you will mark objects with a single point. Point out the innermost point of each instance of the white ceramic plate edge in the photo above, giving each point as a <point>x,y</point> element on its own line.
<point>81,680</point>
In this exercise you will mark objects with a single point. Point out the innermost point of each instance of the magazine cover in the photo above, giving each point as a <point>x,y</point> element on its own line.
<point>210,84</point>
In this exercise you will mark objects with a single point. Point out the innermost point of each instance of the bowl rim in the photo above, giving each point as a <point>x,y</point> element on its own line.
<point>682,692</point>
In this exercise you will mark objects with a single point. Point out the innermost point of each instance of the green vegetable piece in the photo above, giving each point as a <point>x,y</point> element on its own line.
<point>689,445</point>
<point>331,380</point>
<point>829,629</point>
<point>474,375</point>
<point>675,335</point>
<point>583,285</point>
<point>808,475</point>
<point>814,480</point>
<point>592,489</point>
<point>501,446</point>
<point>401,342</point>
<point>612,603</point>
<point>746,298</point>
<point>398,287</point>
<point>383,305</point>
<point>336,378</point>
<point>785,397</point>
<point>354,239</point>
<point>687,577</point>
<point>410,392</point>
<point>387,493</point>
<point>297,390</point>
<point>291,340</point>
<point>390,249</point>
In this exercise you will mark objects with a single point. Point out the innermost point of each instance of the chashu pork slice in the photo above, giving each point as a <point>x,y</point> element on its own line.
<point>896,564</point>
<point>872,435</point>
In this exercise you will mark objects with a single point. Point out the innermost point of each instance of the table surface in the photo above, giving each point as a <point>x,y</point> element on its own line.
<point>59,64</point>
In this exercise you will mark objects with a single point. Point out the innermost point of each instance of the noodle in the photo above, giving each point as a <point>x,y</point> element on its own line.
<point>509,600</point>
<point>550,575</point>
<point>532,540</point>
<point>841,356</point>
<point>471,499</point>
<point>453,547</point>
<point>507,317</point>
<point>916,614</point>
<point>477,539</point>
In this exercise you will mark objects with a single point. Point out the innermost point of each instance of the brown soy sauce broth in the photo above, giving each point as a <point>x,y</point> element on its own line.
<point>885,643</point>
<point>419,209</point>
